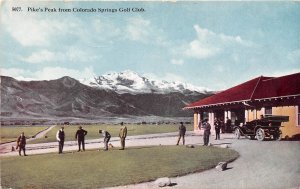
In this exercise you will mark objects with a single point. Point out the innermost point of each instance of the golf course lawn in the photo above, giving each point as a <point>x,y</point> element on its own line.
<point>93,131</point>
<point>11,133</point>
<point>96,169</point>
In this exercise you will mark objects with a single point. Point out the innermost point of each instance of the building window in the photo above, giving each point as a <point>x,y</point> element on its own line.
<point>268,110</point>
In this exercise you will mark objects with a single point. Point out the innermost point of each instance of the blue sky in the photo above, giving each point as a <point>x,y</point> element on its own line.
<point>210,44</point>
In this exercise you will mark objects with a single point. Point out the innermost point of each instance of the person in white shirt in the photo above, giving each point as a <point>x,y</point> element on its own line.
<point>106,136</point>
<point>60,136</point>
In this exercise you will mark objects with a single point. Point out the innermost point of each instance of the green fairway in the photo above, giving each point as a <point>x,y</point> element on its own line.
<point>11,133</point>
<point>93,131</point>
<point>96,169</point>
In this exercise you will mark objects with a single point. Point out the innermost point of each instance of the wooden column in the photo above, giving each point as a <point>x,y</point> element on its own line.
<point>246,116</point>
<point>211,122</point>
<point>199,120</point>
<point>195,120</point>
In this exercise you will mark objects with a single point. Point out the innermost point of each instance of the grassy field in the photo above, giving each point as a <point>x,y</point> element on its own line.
<point>10,133</point>
<point>96,169</point>
<point>93,131</point>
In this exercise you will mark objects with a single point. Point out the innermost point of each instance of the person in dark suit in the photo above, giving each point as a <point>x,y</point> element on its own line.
<point>228,125</point>
<point>80,134</point>
<point>217,124</point>
<point>182,130</point>
<point>207,128</point>
<point>21,143</point>
<point>60,137</point>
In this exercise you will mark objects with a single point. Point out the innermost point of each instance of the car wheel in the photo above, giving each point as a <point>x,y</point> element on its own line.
<point>277,137</point>
<point>260,134</point>
<point>237,133</point>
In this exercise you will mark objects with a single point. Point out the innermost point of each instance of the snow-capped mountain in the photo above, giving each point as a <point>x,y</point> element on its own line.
<point>131,82</point>
<point>67,98</point>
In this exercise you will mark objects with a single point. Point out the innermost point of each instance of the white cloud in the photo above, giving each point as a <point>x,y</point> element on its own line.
<point>41,57</point>
<point>105,29</point>
<point>17,73</point>
<point>201,51</point>
<point>31,31</point>
<point>177,62</point>
<point>48,73</point>
<point>142,30</point>
<point>208,44</point>
<point>138,29</point>
<point>37,30</point>
<point>72,55</point>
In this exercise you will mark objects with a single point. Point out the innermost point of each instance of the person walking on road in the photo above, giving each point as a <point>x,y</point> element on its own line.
<point>182,130</point>
<point>206,126</point>
<point>80,134</point>
<point>122,135</point>
<point>60,136</point>
<point>21,143</point>
<point>106,136</point>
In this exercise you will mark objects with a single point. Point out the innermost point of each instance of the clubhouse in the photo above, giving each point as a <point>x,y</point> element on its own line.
<point>248,101</point>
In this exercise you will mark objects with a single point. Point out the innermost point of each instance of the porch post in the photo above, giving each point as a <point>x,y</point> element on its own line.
<point>199,120</point>
<point>211,122</point>
<point>195,120</point>
<point>246,115</point>
<point>229,114</point>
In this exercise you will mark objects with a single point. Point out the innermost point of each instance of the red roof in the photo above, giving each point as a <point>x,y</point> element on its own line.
<point>258,88</point>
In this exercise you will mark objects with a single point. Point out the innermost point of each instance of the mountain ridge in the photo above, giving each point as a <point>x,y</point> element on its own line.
<point>67,97</point>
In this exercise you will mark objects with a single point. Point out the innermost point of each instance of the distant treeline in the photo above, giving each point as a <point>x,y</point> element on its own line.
<point>47,122</point>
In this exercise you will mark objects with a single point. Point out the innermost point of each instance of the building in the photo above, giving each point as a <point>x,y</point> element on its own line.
<point>250,100</point>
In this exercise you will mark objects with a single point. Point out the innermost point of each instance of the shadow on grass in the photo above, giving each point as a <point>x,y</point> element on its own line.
<point>228,168</point>
<point>135,148</point>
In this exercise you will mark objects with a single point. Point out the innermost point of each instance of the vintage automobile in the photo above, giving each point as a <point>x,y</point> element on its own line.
<point>267,127</point>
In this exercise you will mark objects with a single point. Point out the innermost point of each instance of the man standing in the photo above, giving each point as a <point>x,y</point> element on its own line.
<point>228,125</point>
<point>217,124</point>
<point>182,130</point>
<point>206,126</point>
<point>122,135</point>
<point>80,134</point>
<point>106,136</point>
<point>21,143</point>
<point>60,136</point>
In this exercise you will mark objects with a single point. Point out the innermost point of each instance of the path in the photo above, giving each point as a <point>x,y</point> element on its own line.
<point>5,148</point>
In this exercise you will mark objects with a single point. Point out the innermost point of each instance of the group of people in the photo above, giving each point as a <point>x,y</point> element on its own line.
<point>205,125</point>
<point>80,137</point>
<point>219,126</point>
<point>81,133</point>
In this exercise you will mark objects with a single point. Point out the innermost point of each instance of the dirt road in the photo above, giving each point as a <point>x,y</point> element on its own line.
<point>261,165</point>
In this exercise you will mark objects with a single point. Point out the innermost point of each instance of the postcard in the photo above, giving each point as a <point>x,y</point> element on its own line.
<point>147,94</point>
